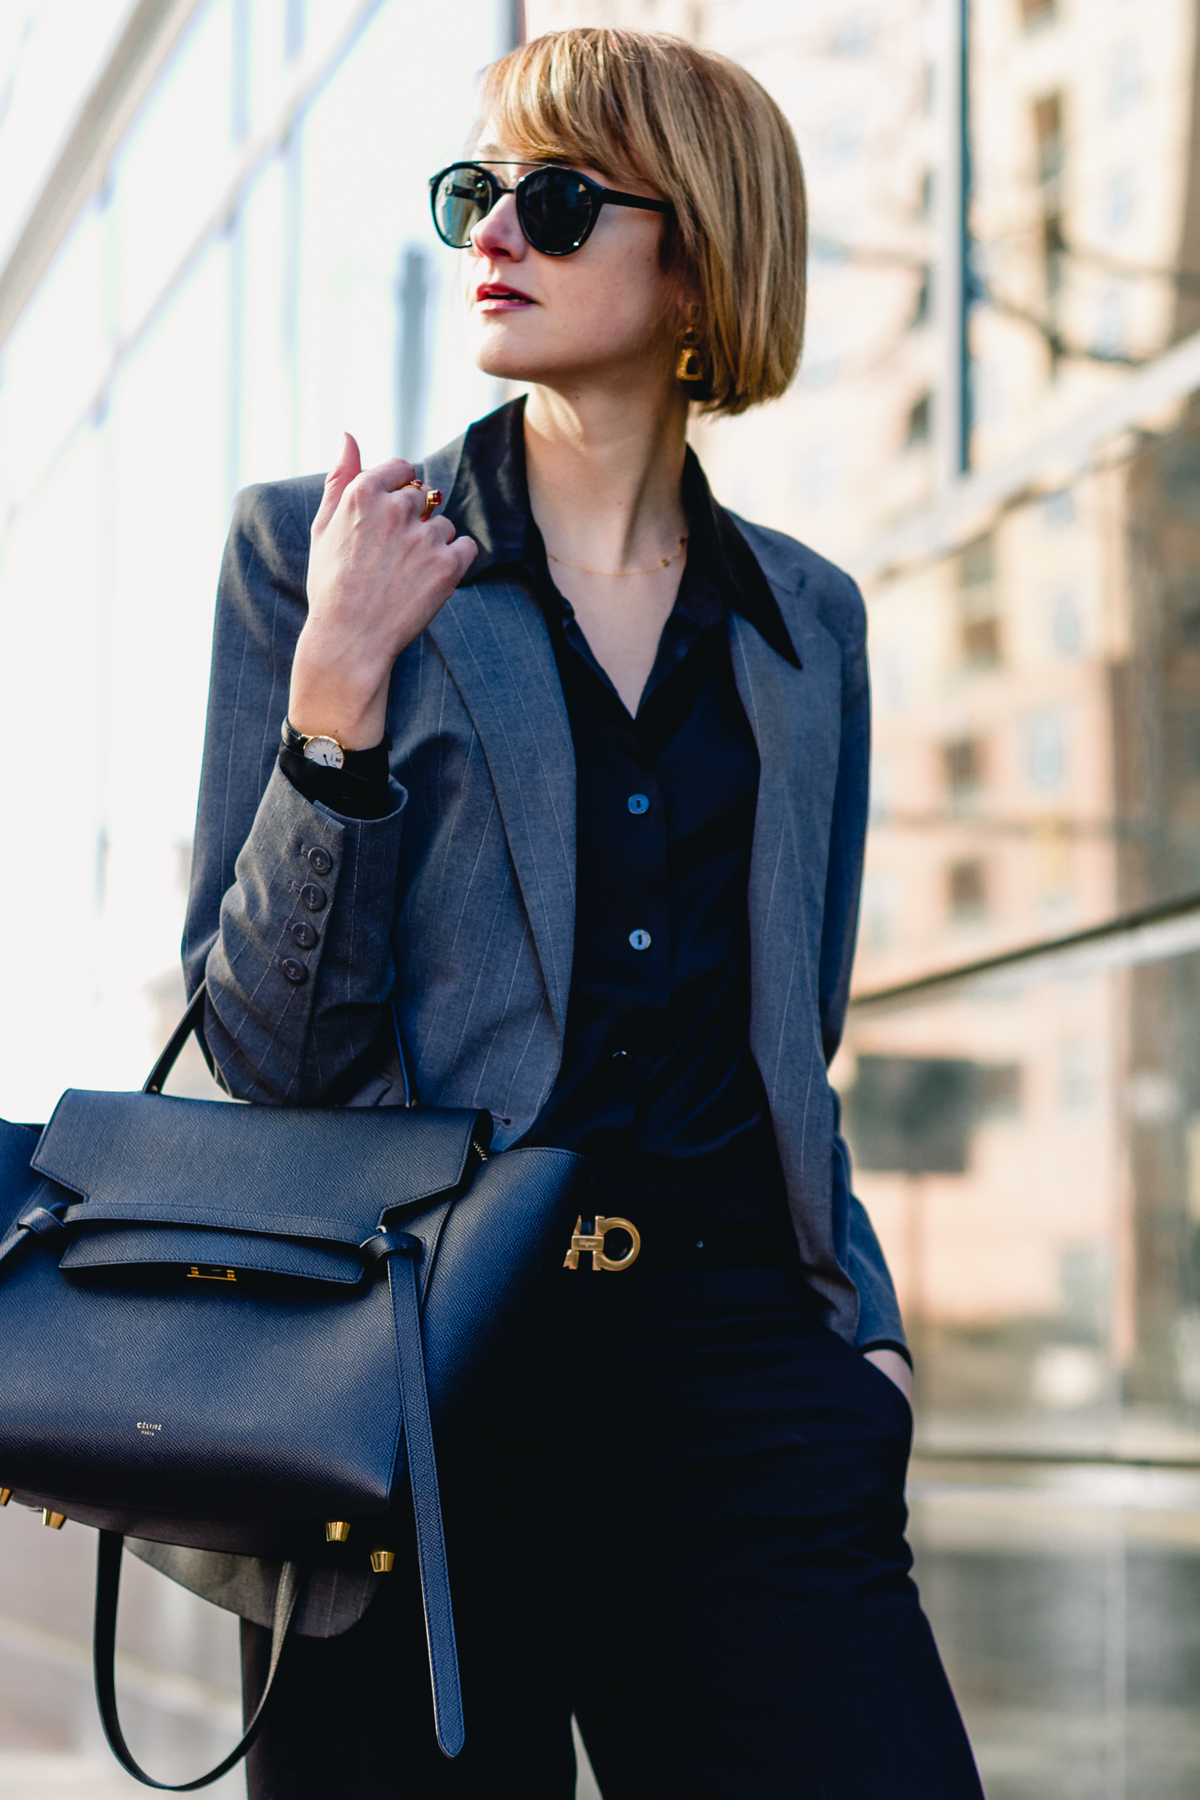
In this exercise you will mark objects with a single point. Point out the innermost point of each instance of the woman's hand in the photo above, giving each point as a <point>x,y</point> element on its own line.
<point>376,576</point>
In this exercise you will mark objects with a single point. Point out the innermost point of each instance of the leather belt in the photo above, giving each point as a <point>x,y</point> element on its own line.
<point>608,1244</point>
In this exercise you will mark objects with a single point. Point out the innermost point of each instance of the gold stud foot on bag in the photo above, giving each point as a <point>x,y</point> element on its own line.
<point>382,1561</point>
<point>5,1496</point>
<point>54,1520</point>
<point>337,1531</point>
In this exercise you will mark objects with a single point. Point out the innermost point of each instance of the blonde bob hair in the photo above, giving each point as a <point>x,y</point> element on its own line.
<point>645,106</point>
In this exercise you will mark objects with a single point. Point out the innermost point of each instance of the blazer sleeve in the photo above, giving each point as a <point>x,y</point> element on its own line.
<point>291,905</point>
<point>879,1320</point>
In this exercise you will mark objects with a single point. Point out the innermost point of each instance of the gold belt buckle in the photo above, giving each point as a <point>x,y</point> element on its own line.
<point>584,1241</point>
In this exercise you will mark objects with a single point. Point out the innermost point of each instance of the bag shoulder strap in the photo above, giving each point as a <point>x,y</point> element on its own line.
<point>401,1252</point>
<point>108,1584</point>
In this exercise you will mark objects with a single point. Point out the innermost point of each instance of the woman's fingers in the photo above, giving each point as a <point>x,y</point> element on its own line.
<point>343,472</point>
<point>387,477</point>
<point>378,573</point>
<point>464,550</point>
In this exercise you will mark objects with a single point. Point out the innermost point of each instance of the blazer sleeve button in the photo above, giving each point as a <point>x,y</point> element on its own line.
<point>320,860</point>
<point>303,935</point>
<point>313,896</point>
<point>295,971</point>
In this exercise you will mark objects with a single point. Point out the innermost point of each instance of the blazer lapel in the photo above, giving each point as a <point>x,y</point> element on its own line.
<point>795,716</point>
<point>497,648</point>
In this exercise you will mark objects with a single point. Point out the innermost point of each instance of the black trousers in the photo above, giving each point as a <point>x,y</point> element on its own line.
<point>693,1539</point>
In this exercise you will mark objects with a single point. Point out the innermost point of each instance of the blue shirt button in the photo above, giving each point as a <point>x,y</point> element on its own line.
<point>638,804</point>
<point>640,939</point>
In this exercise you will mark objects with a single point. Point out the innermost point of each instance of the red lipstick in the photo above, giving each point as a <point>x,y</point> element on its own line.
<point>497,296</point>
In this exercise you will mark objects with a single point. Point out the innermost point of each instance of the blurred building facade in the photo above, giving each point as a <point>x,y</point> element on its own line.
<point>215,255</point>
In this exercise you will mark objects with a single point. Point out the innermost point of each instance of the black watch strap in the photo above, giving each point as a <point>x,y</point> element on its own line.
<point>299,740</point>
<point>360,789</point>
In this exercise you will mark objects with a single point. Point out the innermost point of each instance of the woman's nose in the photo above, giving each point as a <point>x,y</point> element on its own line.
<point>499,234</point>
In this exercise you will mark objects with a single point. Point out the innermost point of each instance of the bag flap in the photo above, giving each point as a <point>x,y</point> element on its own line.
<point>206,1255</point>
<point>270,1169</point>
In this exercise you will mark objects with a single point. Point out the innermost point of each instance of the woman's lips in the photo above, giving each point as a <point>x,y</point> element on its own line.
<point>493,296</point>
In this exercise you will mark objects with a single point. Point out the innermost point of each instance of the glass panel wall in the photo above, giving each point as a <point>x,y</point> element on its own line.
<point>50,54</point>
<point>1026,1131</point>
<point>256,274</point>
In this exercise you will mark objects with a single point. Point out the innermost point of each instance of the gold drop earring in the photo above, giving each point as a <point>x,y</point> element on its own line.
<point>689,365</point>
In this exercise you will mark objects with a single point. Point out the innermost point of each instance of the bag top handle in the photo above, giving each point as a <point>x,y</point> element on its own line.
<point>193,1020</point>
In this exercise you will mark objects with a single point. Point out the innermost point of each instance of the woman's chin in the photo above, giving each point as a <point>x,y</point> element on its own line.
<point>506,363</point>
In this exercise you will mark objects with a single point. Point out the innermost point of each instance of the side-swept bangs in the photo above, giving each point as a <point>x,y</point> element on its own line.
<point>646,106</point>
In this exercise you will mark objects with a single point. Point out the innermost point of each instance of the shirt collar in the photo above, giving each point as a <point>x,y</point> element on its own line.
<point>490,503</point>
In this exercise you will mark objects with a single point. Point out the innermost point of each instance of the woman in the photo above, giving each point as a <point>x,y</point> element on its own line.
<point>574,769</point>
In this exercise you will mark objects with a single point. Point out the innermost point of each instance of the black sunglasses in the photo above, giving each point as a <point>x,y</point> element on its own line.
<point>557,208</point>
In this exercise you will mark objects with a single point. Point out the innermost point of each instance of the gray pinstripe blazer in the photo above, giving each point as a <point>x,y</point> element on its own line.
<point>461,902</point>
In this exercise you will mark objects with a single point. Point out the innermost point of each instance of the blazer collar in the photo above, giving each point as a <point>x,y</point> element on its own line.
<point>489,501</point>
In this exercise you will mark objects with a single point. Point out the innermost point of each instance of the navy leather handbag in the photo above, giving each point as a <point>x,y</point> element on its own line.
<point>240,1327</point>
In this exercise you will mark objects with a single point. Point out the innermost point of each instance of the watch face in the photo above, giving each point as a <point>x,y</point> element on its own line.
<point>326,751</point>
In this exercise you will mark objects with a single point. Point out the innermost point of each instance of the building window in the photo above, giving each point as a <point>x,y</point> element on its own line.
<point>1048,127</point>
<point>1066,623</point>
<point>1118,203</point>
<point>1048,135</point>
<point>968,889</point>
<point>920,421</point>
<point>1046,749</point>
<point>1058,510</point>
<point>921,305</point>
<point>998,1090</point>
<point>1125,79</point>
<point>1078,1073</point>
<point>978,606</point>
<point>962,761</point>
<point>1054,247</point>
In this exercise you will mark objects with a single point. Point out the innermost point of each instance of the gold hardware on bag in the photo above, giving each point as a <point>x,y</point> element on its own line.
<point>54,1520</point>
<point>584,1241</point>
<point>196,1273</point>
<point>382,1560</point>
<point>5,1496</point>
<point>337,1531</point>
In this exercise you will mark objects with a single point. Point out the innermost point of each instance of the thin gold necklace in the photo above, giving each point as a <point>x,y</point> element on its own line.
<point>621,574</point>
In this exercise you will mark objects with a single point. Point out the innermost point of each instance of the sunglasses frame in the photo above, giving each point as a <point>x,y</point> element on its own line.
<point>600,197</point>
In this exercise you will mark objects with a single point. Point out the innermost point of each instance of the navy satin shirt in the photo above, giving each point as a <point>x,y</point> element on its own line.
<point>656,1068</point>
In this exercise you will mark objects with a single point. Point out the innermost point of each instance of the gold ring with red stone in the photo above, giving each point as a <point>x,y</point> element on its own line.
<point>433,499</point>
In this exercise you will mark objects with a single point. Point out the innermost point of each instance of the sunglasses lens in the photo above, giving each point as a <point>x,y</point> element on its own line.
<point>461,199</point>
<point>556,211</point>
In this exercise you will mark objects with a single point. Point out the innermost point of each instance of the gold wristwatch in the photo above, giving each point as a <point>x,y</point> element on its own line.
<point>318,748</point>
